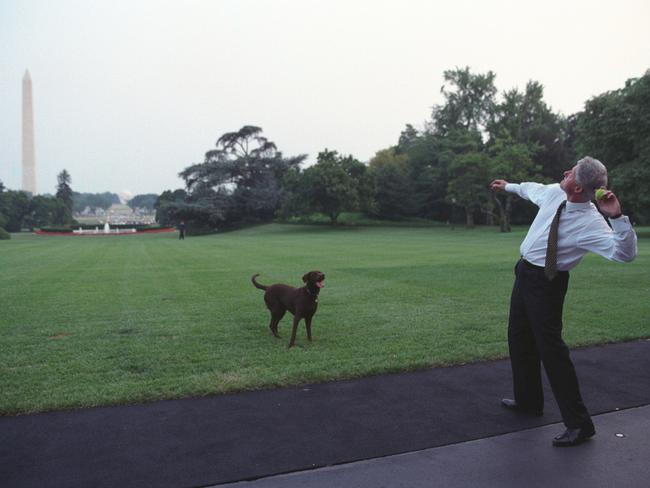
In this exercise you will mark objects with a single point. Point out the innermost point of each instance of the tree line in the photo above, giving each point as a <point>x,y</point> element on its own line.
<point>19,209</point>
<point>439,172</point>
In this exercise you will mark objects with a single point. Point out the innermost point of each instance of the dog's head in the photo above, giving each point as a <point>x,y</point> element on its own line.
<point>314,279</point>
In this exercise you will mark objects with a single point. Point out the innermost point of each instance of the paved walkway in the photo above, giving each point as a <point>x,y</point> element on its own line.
<point>618,457</point>
<point>448,420</point>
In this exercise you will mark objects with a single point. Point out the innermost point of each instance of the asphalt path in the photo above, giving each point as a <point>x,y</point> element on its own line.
<point>259,435</point>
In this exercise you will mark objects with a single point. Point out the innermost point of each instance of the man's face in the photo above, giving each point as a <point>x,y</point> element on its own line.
<point>568,184</point>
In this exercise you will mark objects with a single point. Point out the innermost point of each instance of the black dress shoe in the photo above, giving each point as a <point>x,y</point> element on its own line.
<point>573,437</point>
<point>513,405</point>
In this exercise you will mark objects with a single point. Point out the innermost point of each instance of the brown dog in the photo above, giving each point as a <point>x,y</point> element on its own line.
<point>301,302</point>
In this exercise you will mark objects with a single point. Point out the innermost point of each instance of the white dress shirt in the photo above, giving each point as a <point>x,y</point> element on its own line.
<point>582,229</point>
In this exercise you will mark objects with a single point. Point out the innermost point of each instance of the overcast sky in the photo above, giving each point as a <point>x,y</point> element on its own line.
<point>127,93</point>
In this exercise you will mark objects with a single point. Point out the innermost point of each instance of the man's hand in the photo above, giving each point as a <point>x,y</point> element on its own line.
<point>609,205</point>
<point>498,185</point>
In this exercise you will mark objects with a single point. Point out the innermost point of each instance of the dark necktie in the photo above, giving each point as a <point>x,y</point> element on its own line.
<point>550,265</point>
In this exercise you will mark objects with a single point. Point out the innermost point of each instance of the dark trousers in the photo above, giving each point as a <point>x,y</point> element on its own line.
<point>534,335</point>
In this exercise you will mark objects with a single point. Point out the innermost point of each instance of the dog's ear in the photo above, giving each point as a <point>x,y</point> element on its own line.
<point>306,277</point>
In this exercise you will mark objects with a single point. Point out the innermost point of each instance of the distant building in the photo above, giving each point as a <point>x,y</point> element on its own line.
<point>118,213</point>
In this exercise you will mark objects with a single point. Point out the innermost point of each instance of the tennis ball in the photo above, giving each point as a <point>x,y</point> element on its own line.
<point>600,193</point>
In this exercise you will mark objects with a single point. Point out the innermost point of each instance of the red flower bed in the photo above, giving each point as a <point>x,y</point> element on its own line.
<point>100,233</point>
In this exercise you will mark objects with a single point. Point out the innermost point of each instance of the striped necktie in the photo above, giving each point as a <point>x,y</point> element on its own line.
<point>550,265</point>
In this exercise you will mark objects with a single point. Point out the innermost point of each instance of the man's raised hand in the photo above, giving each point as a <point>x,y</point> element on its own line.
<point>498,185</point>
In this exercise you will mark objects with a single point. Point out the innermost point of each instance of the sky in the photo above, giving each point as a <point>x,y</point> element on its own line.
<point>128,93</point>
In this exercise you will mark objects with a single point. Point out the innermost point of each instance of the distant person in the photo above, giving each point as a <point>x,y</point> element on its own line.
<point>548,252</point>
<point>181,230</point>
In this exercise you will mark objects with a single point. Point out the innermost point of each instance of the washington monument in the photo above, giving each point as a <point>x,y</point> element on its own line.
<point>29,155</point>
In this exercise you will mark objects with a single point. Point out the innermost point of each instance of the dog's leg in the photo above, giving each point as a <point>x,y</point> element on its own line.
<point>296,319</point>
<point>308,326</point>
<point>276,316</point>
<point>274,327</point>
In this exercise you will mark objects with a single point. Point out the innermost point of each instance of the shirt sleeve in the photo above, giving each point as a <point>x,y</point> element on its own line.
<point>533,192</point>
<point>616,244</point>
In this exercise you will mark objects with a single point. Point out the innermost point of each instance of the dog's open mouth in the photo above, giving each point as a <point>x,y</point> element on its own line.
<point>320,284</point>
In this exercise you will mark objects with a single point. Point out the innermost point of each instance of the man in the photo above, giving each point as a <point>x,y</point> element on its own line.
<point>181,230</point>
<point>541,280</point>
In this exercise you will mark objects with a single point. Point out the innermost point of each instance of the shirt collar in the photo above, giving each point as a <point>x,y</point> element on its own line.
<point>577,206</point>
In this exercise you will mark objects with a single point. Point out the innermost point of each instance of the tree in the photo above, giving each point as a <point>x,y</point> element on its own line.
<point>428,178</point>
<point>333,185</point>
<point>4,235</point>
<point>524,118</point>
<point>615,128</point>
<point>146,201</point>
<point>513,162</point>
<point>239,181</point>
<point>64,193</point>
<point>459,153</point>
<point>44,211</point>
<point>93,200</point>
<point>458,127</point>
<point>14,206</point>
<point>469,101</point>
<point>3,219</point>
<point>407,138</point>
<point>478,137</point>
<point>169,207</point>
<point>393,197</point>
<point>467,187</point>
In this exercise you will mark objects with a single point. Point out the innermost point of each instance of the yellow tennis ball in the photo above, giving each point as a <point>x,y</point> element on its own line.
<point>600,193</point>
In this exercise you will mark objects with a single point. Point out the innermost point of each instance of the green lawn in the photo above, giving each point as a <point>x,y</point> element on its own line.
<point>88,321</point>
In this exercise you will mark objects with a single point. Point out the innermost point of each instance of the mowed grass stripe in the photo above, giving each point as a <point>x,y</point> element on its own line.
<point>101,321</point>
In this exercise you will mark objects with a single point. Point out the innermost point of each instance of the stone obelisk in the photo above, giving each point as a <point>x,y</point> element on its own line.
<point>29,154</point>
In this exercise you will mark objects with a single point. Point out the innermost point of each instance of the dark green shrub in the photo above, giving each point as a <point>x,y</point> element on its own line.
<point>56,229</point>
<point>4,235</point>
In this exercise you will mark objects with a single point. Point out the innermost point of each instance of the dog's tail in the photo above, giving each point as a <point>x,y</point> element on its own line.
<point>257,285</point>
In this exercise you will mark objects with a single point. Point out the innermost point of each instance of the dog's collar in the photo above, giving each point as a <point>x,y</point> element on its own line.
<point>314,294</point>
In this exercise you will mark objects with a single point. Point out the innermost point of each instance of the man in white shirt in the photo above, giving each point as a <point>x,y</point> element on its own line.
<point>548,252</point>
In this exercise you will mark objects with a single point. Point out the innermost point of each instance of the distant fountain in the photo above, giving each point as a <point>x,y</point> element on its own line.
<point>106,230</point>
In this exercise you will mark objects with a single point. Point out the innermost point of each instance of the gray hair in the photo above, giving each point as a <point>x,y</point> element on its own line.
<point>591,174</point>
